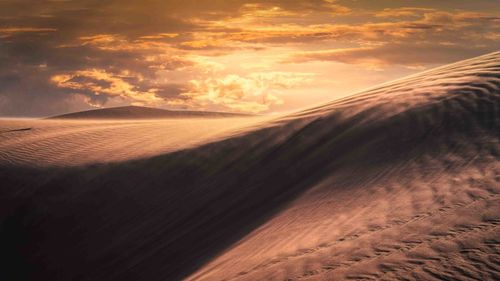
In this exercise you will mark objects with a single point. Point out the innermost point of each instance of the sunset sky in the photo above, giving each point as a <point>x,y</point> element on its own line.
<point>58,56</point>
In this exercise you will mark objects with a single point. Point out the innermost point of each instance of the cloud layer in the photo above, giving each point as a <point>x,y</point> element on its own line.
<point>245,56</point>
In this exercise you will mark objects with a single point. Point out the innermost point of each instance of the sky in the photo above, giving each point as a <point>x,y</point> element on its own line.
<point>272,56</point>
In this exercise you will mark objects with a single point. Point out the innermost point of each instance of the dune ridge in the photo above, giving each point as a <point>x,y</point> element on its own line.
<point>64,142</point>
<point>433,148</point>
<point>398,182</point>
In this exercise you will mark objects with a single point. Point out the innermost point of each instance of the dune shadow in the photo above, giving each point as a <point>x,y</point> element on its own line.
<point>15,130</point>
<point>163,217</point>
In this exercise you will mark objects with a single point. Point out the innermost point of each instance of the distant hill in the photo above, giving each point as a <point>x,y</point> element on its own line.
<point>140,112</point>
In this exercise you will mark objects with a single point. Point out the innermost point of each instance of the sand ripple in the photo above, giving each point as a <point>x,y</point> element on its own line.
<point>400,182</point>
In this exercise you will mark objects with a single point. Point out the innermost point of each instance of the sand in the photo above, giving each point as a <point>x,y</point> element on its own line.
<point>399,182</point>
<point>32,142</point>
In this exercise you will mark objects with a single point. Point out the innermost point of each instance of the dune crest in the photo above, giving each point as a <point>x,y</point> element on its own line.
<point>401,181</point>
<point>410,188</point>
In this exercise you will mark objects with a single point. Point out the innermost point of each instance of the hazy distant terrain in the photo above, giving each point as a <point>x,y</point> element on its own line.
<point>400,182</point>
<point>138,112</point>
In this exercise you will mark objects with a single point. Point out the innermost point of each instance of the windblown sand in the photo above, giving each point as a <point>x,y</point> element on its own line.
<point>415,199</point>
<point>400,182</point>
<point>70,142</point>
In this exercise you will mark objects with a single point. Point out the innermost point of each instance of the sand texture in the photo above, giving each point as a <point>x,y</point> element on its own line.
<point>399,182</point>
<point>26,142</point>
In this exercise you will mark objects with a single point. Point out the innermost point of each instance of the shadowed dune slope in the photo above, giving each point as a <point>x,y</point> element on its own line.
<point>398,182</point>
<point>140,112</point>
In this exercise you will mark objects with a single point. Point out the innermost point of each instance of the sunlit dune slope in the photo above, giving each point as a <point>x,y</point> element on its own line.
<point>32,142</point>
<point>140,112</point>
<point>400,182</point>
<point>408,176</point>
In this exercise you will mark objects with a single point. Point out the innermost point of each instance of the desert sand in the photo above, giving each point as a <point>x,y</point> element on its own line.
<point>398,182</point>
<point>71,142</point>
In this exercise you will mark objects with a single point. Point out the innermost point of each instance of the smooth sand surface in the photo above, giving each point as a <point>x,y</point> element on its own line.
<point>400,182</point>
<point>32,142</point>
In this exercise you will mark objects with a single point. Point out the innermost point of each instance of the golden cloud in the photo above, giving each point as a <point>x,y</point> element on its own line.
<point>377,57</point>
<point>254,93</point>
<point>160,36</point>
<point>402,12</point>
<point>10,31</point>
<point>116,42</point>
<point>99,82</point>
<point>203,53</point>
<point>425,23</point>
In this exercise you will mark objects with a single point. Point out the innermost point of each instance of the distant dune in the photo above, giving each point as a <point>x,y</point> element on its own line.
<point>399,182</point>
<point>140,112</point>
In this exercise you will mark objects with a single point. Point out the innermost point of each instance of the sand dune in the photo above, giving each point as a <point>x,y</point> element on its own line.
<point>400,182</point>
<point>140,112</point>
<point>31,142</point>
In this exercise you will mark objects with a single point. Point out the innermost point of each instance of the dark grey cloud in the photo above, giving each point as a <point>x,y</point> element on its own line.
<point>173,90</point>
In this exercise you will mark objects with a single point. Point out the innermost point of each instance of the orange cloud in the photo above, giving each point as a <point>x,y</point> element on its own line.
<point>424,24</point>
<point>203,53</point>
<point>160,36</point>
<point>254,93</point>
<point>115,42</point>
<point>99,82</point>
<point>376,57</point>
<point>402,12</point>
<point>10,31</point>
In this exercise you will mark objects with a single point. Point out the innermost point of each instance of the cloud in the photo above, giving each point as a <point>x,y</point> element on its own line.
<point>417,24</point>
<point>62,55</point>
<point>376,57</point>
<point>403,12</point>
<point>10,31</point>
<point>25,95</point>
<point>430,38</point>
<point>98,85</point>
<point>255,93</point>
